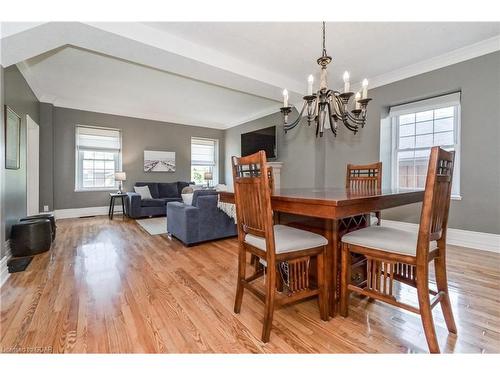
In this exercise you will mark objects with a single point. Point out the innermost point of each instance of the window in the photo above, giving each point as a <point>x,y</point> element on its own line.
<point>204,158</point>
<point>98,157</point>
<point>417,127</point>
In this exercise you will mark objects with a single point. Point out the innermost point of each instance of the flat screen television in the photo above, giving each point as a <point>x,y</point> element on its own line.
<point>261,139</point>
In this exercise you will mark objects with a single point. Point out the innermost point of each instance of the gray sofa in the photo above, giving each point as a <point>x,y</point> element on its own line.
<point>161,193</point>
<point>201,221</point>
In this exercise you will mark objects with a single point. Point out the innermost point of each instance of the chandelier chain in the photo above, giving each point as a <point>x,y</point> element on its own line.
<point>324,43</point>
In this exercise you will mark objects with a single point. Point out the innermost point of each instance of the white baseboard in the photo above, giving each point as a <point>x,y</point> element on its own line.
<point>458,237</point>
<point>4,271</point>
<point>68,213</point>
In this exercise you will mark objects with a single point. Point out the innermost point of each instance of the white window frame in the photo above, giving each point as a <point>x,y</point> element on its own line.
<point>79,161</point>
<point>215,167</point>
<point>427,105</point>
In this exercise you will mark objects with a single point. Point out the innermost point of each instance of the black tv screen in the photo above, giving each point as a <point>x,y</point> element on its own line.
<point>262,139</point>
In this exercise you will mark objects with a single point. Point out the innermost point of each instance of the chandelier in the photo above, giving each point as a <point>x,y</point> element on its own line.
<point>329,104</point>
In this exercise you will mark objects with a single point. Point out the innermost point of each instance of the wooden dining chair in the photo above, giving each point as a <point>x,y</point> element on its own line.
<point>364,178</point>
<point>403,255</point>
<point>274,245</point>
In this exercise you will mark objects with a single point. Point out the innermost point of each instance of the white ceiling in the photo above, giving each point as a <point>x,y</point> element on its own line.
<point>365,49</point>
<point>83,79</point>
<point>222,74</point>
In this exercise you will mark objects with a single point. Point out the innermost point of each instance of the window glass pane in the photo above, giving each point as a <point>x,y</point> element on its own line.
<point>421,165</point>
<point>406,119</point>
<point>109,156</point>
<point>445,138</point>
<point>417,133</point>
<point>88,164</point>
<point>444,112</point>
<point>99,164</point>
<point>405,130</point>
<point>406,172</point>
<point>444,124</point>
<point>198,172</point>
<point>88,154</point>
<point>407,142</point>
<point>88,183</point>
<point>99,155</point>
<point>424,116</point>
<point>109,181</point>
<point>424,127</point>
<point>423,140</point>
<point>110,165</point>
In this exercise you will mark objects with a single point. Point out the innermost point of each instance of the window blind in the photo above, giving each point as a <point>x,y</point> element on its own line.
<point>203,152</point>
<point>449,100</point>
<point>89,138</point>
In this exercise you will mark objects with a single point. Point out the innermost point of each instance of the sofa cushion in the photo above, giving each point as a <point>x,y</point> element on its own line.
<point>153,188</point>
<point>168,190</point>
<point>158,202</point>
<point>181,185</point>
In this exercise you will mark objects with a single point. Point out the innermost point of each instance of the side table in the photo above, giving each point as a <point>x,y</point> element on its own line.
<point>112,197</point>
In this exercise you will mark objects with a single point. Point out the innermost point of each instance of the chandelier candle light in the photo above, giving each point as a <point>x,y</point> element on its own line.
<point>329,104</point>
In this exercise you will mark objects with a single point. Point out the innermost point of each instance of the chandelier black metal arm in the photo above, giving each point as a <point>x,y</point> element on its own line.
<point>329,105</point>
<point>330,102</point>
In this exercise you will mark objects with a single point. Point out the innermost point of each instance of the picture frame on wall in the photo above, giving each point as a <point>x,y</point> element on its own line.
<point>159,161</point>
<point>12,139</point>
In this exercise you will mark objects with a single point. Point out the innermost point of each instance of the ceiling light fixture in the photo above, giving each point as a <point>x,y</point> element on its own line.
<point>331,104</point>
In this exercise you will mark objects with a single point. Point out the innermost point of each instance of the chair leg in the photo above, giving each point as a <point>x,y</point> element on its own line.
<point>241,277</point>
<point>442,286</point>
<point>323,293</point>
<point>379,217</point>
<point>345,279</point>
<point>269,308</point>
<point>425,309</point>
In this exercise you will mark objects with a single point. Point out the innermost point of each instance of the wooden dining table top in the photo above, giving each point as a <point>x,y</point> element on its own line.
<point>334,203</point>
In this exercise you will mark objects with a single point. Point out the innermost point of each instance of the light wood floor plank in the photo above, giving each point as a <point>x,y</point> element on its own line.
<point>109,287</point>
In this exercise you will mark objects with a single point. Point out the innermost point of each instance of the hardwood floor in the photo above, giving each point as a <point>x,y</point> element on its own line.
<point>108,287</point>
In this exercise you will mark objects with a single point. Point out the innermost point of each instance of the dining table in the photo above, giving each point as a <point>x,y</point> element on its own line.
<point>334,212</point>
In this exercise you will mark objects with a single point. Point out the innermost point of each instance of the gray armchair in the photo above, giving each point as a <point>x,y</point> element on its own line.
<point>201,221</point>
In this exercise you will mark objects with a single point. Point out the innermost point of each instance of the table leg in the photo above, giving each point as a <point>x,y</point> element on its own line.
<point>124,213</point>
<point>110,203</point>
<point>112,207</point>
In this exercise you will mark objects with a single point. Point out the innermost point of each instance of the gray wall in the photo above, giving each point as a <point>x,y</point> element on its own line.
<point>20,98</point>
<point>479,82</point>
<point>137,135</point>
<point>297,150</point>
<point>322,162</point>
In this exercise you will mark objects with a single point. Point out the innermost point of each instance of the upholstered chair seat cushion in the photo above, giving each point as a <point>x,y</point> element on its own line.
<point>288,239</point>
<point>388,239</point>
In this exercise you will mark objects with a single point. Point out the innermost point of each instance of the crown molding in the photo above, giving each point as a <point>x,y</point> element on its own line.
<point>481,48</point>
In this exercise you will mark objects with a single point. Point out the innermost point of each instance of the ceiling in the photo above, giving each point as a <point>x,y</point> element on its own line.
<point>222,74</point>
<point>83,79</point>
<point>365,49</point>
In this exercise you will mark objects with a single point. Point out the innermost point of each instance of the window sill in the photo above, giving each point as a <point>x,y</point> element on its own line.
<point>456,197</point>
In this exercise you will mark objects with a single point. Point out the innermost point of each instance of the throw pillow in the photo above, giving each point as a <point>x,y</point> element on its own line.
<point>220,187</point>
<point>143,191</point>
<point>187,198</point>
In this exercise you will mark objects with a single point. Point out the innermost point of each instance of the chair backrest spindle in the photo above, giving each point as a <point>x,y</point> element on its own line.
<point>364,178</point>
<point>436,205</point>
<point>252,191</point>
